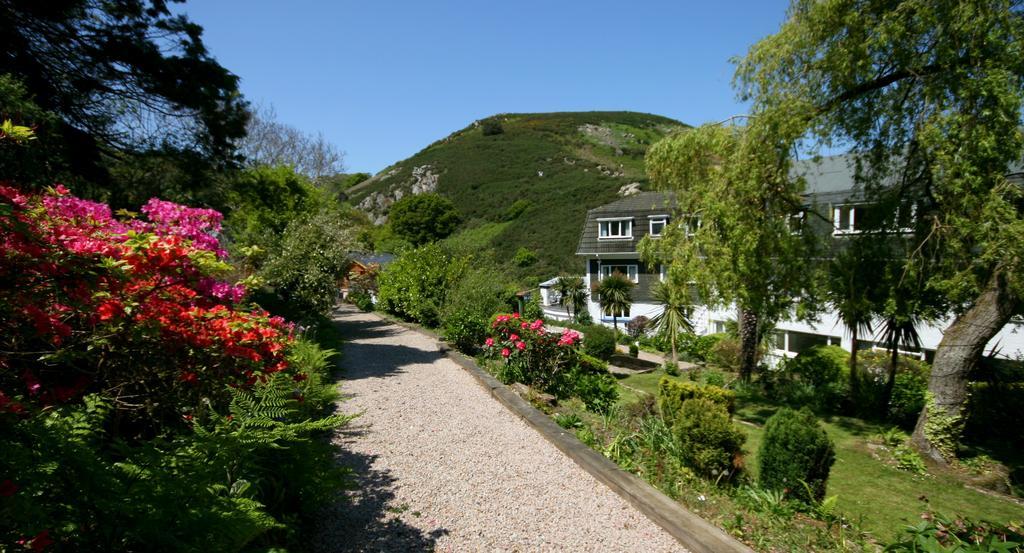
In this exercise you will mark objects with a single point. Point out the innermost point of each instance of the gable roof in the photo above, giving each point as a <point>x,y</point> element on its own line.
<point>638,207</point>
<point>367,259</point>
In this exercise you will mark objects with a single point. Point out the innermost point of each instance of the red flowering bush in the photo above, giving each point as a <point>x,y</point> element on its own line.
<point>141,405</point>
<point>134,307</point>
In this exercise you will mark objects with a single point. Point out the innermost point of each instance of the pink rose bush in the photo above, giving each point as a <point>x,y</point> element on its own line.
<point>531,354</point>
<point>524,351</point>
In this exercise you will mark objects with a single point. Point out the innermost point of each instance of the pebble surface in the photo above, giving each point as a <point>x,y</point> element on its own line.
<point>440,465</point>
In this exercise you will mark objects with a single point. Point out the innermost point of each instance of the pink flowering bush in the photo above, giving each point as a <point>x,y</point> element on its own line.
<point>524,351</point>
<point>529,354</point>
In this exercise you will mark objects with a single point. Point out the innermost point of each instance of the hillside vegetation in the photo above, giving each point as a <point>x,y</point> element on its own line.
<point>526,182</point>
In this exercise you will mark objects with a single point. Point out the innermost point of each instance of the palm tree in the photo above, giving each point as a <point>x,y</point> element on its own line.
<point>851,290</point>
<point>675,313</point>
<point>574,294</point>
<point>614,296</point>
<point>900,319</point>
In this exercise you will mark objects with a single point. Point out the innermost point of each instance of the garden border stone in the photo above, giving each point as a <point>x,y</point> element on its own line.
<point>692,531</point>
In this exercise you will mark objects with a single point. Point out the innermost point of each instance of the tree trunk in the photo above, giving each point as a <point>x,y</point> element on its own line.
<point>675,356</point>
<point>890,380</point>
<point>748,343</point>
<point>962,346</point>
<point>854,375</point>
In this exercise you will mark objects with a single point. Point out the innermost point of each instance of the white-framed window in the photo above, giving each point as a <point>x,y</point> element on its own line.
<point>614,228</point>
<point>632,272</point>
<point>658,224</point>
<point>849,218</point>
<point>856,218</point>
<point>608,315</point>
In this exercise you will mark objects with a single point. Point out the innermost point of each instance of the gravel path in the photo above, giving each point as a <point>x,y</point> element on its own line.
<point>442,466</point>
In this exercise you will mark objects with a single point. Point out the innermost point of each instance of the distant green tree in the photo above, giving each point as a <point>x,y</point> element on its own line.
<point>524,257</point>
<point>423,218</point>
<point>674,318</point>
<point>312,258</point>
<point>736,199</point>
<point>263,201</point>
<point>614,294</point>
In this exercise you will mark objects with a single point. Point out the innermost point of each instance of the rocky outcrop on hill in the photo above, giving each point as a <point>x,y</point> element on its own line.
<point>422,181</point>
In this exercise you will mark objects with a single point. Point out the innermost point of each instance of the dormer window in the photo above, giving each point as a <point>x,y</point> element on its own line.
<point>849,219</point>
<point>609,229</point>
<point>658,223</point>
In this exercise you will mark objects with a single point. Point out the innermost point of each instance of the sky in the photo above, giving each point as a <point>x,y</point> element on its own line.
<point>383,79</point>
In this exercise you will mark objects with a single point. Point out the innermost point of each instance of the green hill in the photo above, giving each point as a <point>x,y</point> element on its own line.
<point>525,182</point>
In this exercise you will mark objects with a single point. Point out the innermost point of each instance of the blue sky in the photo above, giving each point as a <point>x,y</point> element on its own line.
<point>383,79</point>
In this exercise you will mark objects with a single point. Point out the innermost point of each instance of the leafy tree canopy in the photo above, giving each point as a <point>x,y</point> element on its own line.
<point>423,218</point>
<point>928,95</point>
<point>265,200</point>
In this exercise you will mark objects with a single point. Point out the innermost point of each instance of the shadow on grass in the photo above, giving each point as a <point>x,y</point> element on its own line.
<point>857,427</point>
<point>757,414</point>
<point>367,518</point>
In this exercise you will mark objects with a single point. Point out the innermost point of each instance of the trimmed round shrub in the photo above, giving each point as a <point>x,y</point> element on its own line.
<point>821,366</point>
<point>796,455</point>
<point>599,341</point>
<point>672,393</point>
<point>709,443</point>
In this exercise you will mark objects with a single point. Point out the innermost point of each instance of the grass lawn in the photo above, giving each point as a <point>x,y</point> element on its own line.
<point>882,498</point>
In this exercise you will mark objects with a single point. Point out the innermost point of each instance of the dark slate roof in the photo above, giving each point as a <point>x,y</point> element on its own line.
<point>829,180</point>
<point>637,206</point>
<point>367,259</point>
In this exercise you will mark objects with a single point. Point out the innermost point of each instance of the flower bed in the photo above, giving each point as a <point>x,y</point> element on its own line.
<point>134,381</point>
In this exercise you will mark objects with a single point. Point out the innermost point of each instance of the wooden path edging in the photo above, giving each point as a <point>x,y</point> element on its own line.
<point>692,531</point>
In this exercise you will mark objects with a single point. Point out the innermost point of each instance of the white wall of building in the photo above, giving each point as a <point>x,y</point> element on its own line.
<point>1008,343</point>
